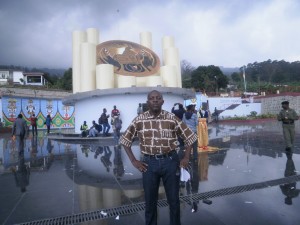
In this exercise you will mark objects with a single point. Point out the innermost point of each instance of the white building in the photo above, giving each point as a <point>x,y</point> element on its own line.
<point>20,77</point>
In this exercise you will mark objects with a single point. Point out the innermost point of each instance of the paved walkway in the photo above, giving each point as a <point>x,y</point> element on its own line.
<point>251,179</point>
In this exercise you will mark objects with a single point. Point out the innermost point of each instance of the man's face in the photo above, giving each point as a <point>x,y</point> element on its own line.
<point>285,106</point>
<point>155,101</point>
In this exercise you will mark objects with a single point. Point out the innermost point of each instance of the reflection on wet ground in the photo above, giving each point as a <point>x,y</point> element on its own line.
<point>56,179</point>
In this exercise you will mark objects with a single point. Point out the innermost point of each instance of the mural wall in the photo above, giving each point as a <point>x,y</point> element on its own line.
<point>62,116</point>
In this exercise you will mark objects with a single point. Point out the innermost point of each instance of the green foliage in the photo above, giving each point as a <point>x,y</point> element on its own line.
<point>273,71</point>
<point>64,82</point>
<point>253,115</point>
<point>208,78</point>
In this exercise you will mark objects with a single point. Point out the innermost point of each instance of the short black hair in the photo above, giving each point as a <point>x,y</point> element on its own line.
<point>285,103</point>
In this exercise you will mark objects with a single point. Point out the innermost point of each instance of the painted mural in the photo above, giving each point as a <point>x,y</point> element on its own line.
<point>62,116</point>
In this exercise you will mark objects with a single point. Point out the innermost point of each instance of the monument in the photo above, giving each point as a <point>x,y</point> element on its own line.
<point>121,73</point>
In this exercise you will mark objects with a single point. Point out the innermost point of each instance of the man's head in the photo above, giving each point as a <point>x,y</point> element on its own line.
<point>104,110</point>
<point>84,122</point>
<point>115,107</point>
<point>285,104</point>
<point>190,108</point>
<point>155,101</point>
<point>20,116</point>
<point>93,122</point>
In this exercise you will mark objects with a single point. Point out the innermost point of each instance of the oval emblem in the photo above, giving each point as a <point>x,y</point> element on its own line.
<point>128,58</point>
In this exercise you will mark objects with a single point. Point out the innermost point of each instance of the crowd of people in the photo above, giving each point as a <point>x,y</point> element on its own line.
<point>158,132</point>
<point>105,123</point>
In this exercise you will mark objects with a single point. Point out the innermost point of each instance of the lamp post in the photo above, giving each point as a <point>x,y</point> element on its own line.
<point>216,85</point>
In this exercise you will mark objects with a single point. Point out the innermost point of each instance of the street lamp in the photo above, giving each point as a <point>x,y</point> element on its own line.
<point>216,85</point>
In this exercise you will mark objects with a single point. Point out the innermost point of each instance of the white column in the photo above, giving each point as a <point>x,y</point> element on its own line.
<point>141,81</point>
<point>169,75</point>
<point>154,81</point>
<point>92,36</point>
<point>78,38</point>
<point>88,67</point>
<point>126,81</point>
<point>104,76</point>
<point>171,56</point>
<point>146,39</point>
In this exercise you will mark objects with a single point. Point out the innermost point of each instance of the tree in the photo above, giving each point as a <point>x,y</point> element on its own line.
<point>208,78</point>
<point>236,77</point>
<point>186,73</point>
<point>66,81</point>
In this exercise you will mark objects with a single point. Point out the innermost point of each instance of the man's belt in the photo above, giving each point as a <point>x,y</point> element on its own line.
<point>289,122</point>
<point>161,156</point>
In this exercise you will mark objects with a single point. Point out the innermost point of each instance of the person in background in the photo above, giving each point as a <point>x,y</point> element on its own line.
<point>216,114</point>
<point>288,116</point>
<point>104,121</point>
<point>84,129</point>
<point>190,118</point>
<point>140,109</point>
<point>48,123</point>
<point>158,132</point>
<point>117,126</point>
<point>19,130</point>
<point>95,129</point>
<point>115,112</point>
<point>178,112</point>
<point>33,123</point>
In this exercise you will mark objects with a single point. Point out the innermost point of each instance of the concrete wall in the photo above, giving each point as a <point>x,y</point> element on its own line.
<point>272,105</point>
<point>90,109</point>
<point>241,110</point>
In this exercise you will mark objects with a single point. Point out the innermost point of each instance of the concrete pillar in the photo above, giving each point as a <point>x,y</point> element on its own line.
<point>146,39</point>
<point>78,37</point>
<point>171,56</point>
<point>105,76</point>
<point>92,36</point>
<point>169,75</point>
<point>88,67</point>
<point>154,81</point>
<point>126,81</point>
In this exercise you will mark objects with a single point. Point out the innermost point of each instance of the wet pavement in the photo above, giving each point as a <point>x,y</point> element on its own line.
<point>249,174</point>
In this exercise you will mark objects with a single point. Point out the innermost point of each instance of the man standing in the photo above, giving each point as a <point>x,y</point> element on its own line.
<point>140,109</point>
<point>178,112</point>
<point>288,117</point>
<point>158,132</point>
<point>104,121</point>
<point>19,129</point>
<point>33,120</point>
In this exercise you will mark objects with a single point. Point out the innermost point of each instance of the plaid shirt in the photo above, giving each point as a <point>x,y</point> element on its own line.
<point>158,135</point>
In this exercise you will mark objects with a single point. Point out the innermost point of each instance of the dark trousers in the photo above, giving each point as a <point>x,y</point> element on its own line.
<point>106,128</point>
<point>48,129</point>
<point>166,168</point>
<point>289,134</point>
<point>34,128</point>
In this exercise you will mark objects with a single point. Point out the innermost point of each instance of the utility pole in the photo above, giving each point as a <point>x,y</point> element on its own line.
<point>216,85</point>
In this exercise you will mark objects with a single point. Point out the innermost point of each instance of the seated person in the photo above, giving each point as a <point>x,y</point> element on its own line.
<point>84,129</point>
<point>95,129</point>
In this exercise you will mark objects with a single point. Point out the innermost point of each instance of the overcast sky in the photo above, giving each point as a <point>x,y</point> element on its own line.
<point>228,33</point>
